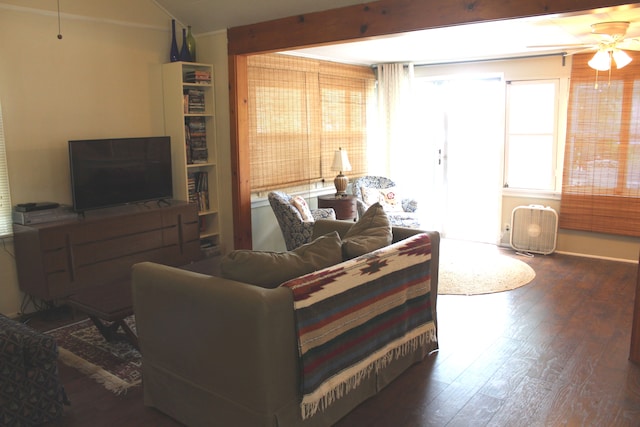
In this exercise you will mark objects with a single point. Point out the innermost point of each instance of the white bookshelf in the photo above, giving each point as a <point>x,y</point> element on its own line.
<point>182,121</point>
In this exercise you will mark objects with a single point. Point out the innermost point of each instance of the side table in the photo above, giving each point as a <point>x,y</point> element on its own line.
<point>345,207</point>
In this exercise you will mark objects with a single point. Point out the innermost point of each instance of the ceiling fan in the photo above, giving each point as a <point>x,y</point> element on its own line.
<point>610,48</point>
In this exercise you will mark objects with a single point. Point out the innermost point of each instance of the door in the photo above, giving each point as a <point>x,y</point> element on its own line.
<point>464,129</point>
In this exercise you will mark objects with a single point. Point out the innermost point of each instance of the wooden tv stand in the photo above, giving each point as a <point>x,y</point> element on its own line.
<point>57,259</point>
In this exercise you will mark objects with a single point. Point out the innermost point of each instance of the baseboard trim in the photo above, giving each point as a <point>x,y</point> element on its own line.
<point>629,261</point>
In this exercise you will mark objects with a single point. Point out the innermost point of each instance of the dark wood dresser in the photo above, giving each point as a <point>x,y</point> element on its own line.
<point>57,259</point>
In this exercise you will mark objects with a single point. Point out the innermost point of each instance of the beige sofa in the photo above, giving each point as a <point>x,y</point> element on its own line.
<point>218,352</point>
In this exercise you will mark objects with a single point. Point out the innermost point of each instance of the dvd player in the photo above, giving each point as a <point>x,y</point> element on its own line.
<point>61,213</point>
<point>39,206</point>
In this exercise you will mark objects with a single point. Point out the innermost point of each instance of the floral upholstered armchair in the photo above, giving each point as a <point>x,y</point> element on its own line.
<point>402,211</point>
<point>295,218</point>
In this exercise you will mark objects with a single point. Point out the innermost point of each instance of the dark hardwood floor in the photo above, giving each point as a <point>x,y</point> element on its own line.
<point>552,353</point>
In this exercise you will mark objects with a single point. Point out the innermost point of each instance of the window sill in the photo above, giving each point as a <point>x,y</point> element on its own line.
<point>533,194</point>
<point>261,200</point>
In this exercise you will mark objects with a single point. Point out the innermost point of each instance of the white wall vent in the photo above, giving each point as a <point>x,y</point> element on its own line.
<point>534,228</point>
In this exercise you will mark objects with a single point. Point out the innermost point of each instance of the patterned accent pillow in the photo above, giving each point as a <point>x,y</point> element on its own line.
<point>301,204</point>
<point>390,200</point>
<point>270,269</point>
<point>387,197</point>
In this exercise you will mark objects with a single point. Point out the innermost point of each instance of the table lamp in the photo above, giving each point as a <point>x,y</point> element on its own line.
<point>341,163</point>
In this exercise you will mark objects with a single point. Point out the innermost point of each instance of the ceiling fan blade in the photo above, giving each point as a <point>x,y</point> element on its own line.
<point>629,44</point>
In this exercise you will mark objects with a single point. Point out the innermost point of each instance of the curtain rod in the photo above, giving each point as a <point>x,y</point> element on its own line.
<point>506,58</point>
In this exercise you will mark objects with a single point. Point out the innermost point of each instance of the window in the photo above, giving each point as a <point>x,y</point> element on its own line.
<point>5,199</point>
<point>300,112</point>
<point>601,184</point>
<point>531,130</point>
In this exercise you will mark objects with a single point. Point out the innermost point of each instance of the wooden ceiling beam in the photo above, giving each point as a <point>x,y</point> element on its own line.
<point>387,17</point>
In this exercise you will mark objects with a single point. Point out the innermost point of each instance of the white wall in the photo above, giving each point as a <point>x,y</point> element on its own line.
<point>103,79</point>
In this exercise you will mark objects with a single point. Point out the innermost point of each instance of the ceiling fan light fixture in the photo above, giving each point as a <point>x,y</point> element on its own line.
<point>601,61</point>
<point>621,58</point>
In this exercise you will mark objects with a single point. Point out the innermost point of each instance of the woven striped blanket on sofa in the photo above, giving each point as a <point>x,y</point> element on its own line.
<point>354,318</point>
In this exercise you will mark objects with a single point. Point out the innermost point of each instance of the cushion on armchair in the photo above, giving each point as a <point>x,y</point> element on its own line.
<point>389,198</point>
<point>301,204</point>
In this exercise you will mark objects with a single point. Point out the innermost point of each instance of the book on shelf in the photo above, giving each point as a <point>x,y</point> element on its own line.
<point>198,76</point>
<point>194,101</point>
<point>198,189</point>
<point>199,155</point>
<point>196,140</point>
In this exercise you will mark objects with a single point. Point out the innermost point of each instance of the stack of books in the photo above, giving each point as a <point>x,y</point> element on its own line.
<point>196,144</point>
<point>198,184</point>
<point>194,101</point>
<point>198,77</point>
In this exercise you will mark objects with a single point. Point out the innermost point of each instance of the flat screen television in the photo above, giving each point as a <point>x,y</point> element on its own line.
<point>119,171</point>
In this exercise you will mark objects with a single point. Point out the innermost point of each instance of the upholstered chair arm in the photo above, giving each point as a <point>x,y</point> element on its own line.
<point>323,213</point>
<point>409,205</point>
<point>33,393</point>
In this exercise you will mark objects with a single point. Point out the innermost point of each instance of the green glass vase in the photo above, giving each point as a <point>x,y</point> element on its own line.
<point>191,44</point>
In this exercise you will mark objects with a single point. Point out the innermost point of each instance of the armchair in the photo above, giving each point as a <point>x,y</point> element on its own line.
<point>30,389</point>
<point>403,215</point>
<point>295,230</point>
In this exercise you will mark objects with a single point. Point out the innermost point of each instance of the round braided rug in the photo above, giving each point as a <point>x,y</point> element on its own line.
<point>468,268</point>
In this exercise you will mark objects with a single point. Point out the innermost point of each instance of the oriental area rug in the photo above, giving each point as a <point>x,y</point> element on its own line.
<point>468,268</point>
<point>117,365</point>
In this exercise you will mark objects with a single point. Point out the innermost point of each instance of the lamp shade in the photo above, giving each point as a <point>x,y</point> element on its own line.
<point>340,161</point>
<point>601,61</point>
<point>621,58</point>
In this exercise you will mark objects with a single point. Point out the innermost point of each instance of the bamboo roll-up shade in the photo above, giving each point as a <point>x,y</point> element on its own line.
<point>300,112</point>
<point>601,181</point>
<point>344,121</point>
<point>283,137</point>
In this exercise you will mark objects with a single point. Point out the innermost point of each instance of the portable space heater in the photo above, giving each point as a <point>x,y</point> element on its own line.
<point>534,228</point>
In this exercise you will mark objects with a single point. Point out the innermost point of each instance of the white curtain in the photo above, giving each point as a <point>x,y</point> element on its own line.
<point>395,109</point>
<point>402,154</point>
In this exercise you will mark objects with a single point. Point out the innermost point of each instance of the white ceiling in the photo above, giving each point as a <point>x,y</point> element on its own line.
<point>500,39</point>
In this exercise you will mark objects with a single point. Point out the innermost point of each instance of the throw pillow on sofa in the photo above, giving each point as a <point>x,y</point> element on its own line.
<point>371,232</point>
<point>270,269</point>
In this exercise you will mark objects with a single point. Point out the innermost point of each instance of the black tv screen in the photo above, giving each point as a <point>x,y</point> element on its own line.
<point>111,172</point>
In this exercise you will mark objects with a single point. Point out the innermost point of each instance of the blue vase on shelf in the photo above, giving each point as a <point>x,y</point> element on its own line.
<point>184,52</point>
<point>174,55</point>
